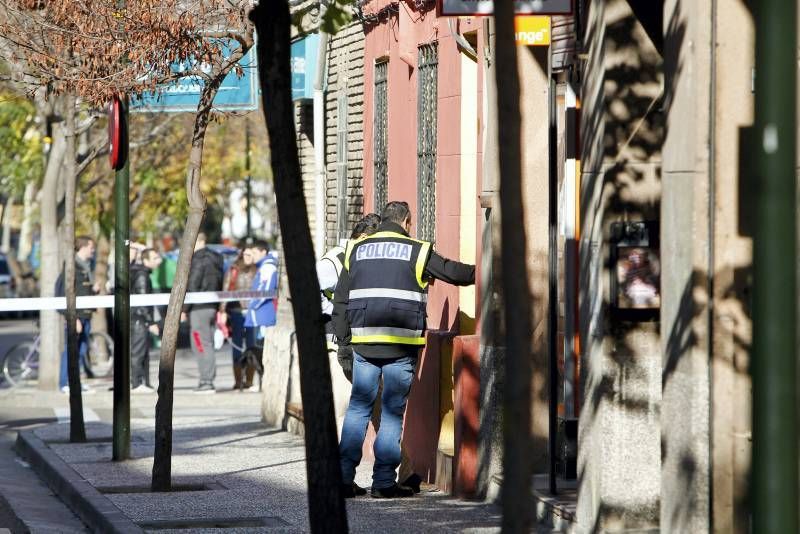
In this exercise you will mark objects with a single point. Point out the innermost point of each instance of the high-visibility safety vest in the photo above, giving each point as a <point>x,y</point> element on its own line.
<point>388,293</point>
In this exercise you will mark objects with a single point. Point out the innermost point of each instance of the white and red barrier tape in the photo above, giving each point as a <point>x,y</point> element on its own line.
<point>137,300</point>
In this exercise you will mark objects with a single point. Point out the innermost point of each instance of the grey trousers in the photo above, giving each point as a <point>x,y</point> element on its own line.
<point>202,324</point>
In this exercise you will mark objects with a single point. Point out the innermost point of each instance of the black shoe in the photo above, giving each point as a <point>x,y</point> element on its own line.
<point>352,490</point>
<point>392,492</point>
<point>413,482</point>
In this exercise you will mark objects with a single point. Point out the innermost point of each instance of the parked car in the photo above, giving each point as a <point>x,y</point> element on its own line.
<point>7,289</point>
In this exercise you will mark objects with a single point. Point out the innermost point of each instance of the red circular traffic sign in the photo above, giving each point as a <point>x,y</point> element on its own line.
<point>116,135</point>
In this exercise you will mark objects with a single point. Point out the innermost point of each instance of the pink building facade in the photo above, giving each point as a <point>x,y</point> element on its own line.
<point>423,144</point>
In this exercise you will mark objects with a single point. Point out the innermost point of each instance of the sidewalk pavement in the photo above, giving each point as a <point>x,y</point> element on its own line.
<point>245,477</point>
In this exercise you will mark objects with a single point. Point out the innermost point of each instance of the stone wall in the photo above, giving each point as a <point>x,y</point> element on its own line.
<point>619,454</point>
<point>706,327</point>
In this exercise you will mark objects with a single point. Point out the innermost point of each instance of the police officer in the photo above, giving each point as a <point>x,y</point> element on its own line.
<point>379,307</point>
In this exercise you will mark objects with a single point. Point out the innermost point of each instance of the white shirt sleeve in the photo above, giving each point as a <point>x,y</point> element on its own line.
<point>328,277</point>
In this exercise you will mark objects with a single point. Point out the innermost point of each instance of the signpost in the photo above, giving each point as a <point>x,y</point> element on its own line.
<point>183,95</point>
<point>118,158</point>
<point>463,8</point>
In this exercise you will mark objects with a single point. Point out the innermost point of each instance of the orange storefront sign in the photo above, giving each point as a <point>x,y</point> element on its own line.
<point>532,30</point>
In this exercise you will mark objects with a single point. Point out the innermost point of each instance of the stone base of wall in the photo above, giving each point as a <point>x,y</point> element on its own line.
<point>281,403</point>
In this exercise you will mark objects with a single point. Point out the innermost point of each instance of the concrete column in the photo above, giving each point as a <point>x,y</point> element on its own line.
<point>492,350</point>
<point>534,108</point>
<point>622,130</point>
<point>686,261</point>
<point>685,282</point>
<point>707,255</point>
<point>534,104</point>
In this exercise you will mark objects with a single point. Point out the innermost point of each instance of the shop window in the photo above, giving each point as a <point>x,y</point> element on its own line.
<point>381,135</point>
<point>427,74</point>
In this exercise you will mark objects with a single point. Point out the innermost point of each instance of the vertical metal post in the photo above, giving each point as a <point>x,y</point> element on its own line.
<point>122,318</point>
<point>552,298</point>
<point>774,359</point>
<point>248,178</point>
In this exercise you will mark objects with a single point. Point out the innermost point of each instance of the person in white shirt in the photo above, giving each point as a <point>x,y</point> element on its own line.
<point>329,267</point>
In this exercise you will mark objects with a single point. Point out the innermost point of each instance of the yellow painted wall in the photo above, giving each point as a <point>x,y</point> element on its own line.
<point>469,185</point>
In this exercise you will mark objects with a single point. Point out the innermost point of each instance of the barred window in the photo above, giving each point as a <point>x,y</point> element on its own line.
<point>380,135</point>
<point>426,140</point>
<point>341,166</point>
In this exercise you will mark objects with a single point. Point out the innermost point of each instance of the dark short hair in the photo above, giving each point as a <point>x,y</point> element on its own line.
<point>81,241</point>
<point>259,244</point>
<point>367,225</point>
<point>396,211</point>
<point>148,253</point>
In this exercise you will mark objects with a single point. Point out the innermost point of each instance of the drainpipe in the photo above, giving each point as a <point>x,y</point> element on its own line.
<point>319,138</point>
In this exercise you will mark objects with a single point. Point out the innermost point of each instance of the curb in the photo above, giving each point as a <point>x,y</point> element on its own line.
<point>94,509</point>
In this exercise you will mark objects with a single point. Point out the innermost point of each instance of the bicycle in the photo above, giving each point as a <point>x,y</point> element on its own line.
<point>21,362</point>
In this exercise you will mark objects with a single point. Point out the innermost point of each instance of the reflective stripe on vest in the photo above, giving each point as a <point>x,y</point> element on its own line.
<point>381,334</point>
<point>382,292</point>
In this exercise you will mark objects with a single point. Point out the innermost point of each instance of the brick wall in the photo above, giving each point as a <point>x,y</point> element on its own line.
<point>345,75</point>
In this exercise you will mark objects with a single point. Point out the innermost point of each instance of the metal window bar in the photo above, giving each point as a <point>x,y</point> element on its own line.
<point>381,134</point>
<point>426,140</point>
<point>341,166</point>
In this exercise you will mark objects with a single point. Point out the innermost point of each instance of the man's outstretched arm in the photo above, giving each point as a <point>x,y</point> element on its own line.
<point>450,271</point>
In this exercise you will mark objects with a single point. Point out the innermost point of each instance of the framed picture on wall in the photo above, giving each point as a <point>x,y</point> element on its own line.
<point>635,270</point>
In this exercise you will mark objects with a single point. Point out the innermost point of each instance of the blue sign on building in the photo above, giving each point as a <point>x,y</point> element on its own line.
<point>304,66</point>
<point>235,94</point>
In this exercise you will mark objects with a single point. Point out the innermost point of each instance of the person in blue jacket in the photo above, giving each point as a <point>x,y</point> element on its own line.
<point>260,312</point>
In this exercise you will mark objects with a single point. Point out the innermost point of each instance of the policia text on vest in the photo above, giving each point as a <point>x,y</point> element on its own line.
<point>380,300</point>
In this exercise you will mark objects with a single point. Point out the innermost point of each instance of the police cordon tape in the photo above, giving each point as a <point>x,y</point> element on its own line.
<point>137,300</point>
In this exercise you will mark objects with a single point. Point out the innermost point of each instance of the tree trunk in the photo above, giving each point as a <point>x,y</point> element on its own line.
<point>50,321</point>
<point>325,501</point>
<point>77,430</point>
<point>26,229</point>
<point>516,490</point>
<point>5,242</point>
<point>162,461</point>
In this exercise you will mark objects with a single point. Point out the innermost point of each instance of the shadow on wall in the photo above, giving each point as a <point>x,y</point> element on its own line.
<point>492,381</point>
<point>623,129</point>
<point>732,302</point>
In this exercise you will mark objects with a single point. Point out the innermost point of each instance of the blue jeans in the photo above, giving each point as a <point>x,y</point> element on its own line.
<point>397,376</point>
<point>83,350</point>
<point>236,318</point>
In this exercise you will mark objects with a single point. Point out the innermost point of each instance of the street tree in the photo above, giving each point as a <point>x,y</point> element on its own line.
<point>99,49</point>
<point>517,468</point>
<point>21,169</point>
<point>327,511</point>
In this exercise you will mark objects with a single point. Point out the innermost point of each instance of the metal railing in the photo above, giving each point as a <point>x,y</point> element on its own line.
<point>426,140</point>
<point>381,135</point>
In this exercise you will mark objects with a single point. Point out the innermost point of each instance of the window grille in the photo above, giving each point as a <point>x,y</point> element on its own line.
<point>381,145</point>
<point>341,166</point>
<point>426,141</point>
